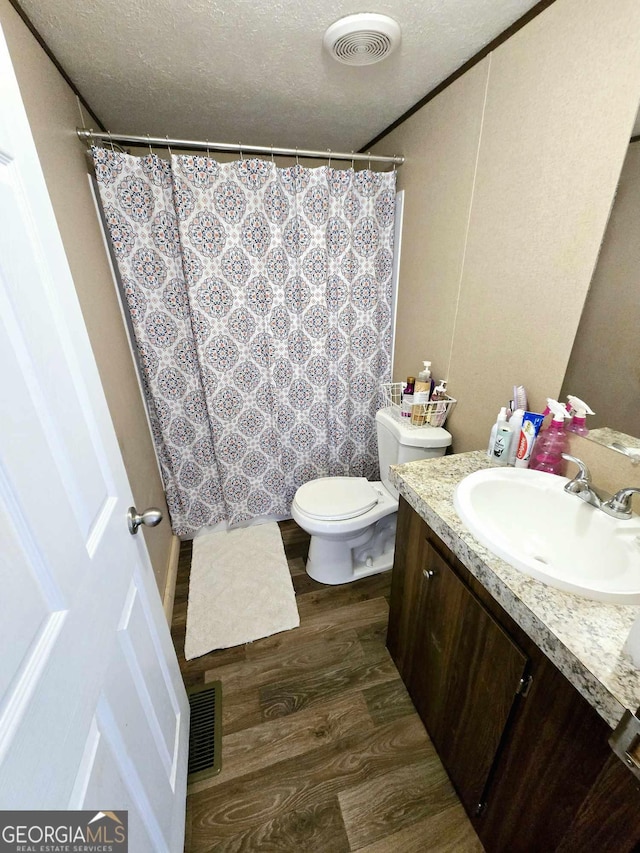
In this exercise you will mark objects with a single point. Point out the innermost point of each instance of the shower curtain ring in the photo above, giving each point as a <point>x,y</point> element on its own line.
<point>208,152</point>
<point>111,141</point>
<point>297,158</point>
<point>369,153</point>
<point>329,150</point>
<point>149,144</point>
<point>168,146</point>
<point>240,149</point>
<point>352,162</point>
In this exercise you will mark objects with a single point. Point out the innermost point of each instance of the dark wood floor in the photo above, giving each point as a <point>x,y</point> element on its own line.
<point>322,749</point>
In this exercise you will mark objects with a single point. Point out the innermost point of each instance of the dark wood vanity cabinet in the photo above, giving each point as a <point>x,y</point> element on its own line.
<point>526,753</point>
<point>468,674</point>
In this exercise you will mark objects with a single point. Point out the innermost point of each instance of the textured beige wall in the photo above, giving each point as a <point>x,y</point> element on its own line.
<point>53,115</point>
<point>604,368</point>
<point>561,97</point>
<point>440,144</point>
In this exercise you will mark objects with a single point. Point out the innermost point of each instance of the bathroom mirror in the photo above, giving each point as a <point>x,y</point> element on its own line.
<point>604,367</point>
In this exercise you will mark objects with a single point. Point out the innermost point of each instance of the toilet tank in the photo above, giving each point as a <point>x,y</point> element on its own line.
<point>399,443</point>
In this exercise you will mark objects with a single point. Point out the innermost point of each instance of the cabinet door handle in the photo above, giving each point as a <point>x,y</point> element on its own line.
<point>428,574</point>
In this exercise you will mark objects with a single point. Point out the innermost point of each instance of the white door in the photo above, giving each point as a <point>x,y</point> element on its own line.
<point>93,712</point>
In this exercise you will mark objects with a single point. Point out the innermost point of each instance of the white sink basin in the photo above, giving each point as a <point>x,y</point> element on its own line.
<point>526,518</point>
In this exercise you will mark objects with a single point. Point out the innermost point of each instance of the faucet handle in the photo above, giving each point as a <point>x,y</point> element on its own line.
<point>619,506</point>
<point>583,472</point>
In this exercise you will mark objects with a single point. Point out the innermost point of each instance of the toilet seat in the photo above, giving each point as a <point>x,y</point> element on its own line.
<point>336,498</point>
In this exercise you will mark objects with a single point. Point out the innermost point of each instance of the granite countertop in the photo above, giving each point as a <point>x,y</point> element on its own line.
<point>610,437</point>
<point>583,638</point>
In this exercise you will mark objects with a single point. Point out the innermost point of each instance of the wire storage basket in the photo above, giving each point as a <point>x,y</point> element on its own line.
<point>433,413</point>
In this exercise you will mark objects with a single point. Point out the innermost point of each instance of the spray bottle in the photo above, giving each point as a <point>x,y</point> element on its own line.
<point>580,411</point>
<point>550,445</point>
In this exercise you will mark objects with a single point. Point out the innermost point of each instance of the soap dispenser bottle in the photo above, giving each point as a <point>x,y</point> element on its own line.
<point>548,449</point>
<point>438,414</point>
<point>425,376</point>
<point>580,411</point>
<point>425,373</point>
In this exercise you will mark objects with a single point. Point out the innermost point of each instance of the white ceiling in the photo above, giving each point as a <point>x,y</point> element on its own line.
<point>255,72</point>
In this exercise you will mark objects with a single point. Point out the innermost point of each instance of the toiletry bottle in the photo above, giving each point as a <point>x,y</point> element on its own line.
<point>407,397</point>
<point>502,443</point>
<point>578,423</point>
<point>550,445</point>
<point>425,376</point>
<point>501,419</point>
<point>438,414</point>
<point>440,391</point>
<point>494,430</point>
<point>419,409</point>
<point>515,422</point>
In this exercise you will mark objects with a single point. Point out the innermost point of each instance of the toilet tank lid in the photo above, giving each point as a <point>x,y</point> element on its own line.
<point>336,498</point>
<point>412,436</point>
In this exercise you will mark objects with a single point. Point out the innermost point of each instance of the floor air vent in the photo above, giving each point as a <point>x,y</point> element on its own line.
<point>205,734</point>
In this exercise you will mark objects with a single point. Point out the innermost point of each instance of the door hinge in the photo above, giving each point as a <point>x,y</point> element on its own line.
<point>625,742</point>
<point>524,685</point>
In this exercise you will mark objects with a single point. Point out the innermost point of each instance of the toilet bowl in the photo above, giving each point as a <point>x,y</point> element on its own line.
<point>352,521</point>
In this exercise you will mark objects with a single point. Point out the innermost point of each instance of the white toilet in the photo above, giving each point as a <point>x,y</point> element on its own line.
<point>352,521</point>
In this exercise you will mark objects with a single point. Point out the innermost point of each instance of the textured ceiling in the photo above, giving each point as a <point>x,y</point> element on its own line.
<point>255,72</point>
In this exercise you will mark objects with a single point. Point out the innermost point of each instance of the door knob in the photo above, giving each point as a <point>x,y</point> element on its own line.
<point>150,517</point>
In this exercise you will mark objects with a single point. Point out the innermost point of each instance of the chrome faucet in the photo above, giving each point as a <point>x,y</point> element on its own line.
<point>617,506</point>
<point>581,484</point>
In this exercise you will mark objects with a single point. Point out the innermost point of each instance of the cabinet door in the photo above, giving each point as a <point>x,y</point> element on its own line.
<point>466,676</point>
<point>609,819</point>
<point>406,583</point>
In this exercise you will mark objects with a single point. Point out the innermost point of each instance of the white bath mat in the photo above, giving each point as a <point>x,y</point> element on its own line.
<point>239,589</point>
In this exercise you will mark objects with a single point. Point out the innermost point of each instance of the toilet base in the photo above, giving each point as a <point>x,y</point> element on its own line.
<point>334,561</point>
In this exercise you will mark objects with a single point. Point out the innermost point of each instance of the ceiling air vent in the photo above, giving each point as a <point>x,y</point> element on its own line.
<point>362,39</point>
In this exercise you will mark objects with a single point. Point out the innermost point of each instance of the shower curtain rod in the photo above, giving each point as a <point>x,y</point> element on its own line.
<point>165,142</point>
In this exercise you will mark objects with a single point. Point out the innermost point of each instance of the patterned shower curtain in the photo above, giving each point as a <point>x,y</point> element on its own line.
<point>260,303</point>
